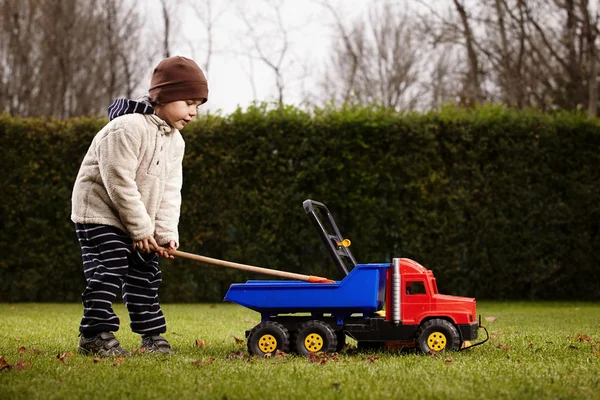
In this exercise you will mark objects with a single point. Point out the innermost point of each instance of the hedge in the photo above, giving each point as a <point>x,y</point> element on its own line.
<point>500,204</point>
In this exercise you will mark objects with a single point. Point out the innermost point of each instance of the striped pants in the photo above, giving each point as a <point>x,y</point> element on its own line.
<point>109,264</point>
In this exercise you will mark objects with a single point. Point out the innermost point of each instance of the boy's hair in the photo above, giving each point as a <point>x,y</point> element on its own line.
<point>178,78</point>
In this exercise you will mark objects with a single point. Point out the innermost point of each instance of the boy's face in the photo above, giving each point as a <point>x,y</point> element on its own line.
<point>178,113</point>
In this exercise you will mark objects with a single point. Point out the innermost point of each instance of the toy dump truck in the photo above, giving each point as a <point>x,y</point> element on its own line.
<point>379,305</point>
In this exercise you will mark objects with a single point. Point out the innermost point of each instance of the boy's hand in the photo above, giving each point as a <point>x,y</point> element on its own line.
<point>144,245</point>
<point>170,246</point>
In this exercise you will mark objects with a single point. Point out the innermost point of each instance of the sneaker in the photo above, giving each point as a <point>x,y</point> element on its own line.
<point>155,344</point>
<point>103,345</point>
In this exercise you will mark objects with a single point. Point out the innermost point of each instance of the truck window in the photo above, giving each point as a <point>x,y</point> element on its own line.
<point>416,287</point>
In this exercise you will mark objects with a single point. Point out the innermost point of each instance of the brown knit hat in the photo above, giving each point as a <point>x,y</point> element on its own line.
<point>178,78</point>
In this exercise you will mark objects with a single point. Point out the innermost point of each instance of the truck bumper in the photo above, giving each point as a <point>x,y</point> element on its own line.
<point>469,331</point>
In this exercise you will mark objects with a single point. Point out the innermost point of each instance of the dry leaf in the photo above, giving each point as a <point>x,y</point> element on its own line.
<point>448,360</point>
<point>490,319</point>
<point>22,365</point>
<point>336,385</point>
<point>371,359</point>
<point>200,363</point>
<point>237,354</point>
<point>64,356</point>
<point>36,351</point>
<point>279,353</point>
<point>118,361</point>
<point>319,358</point>
<point>201,343</point>
<point>96,360</point>
<point>504,347</point>
<point>22,350</point>
<point>4,366</point>
<point>237,340</point>
<point>583,338</point>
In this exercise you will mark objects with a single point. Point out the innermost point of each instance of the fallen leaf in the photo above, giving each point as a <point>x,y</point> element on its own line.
<point>118,361</point>
<point>572,347</point>
<point>448,360</point>
<point>279,353</point>
<point>201,343</point>
<point>319,358</point>
<point>64,356</point>
<point>17,339</point>
<point>22,350</point>
<point>4,366</point>
<point>336,385</point>
<point>200,363</point>
<point>237,354</point>
<point>490,319</point>
<point>96,360</point>
<point>36,351</point>
<point>504,347</point>
<point>583,338</point>
<point>371,359</point>
<point>495,332</point>
<point>238,340</point>
<point>22,365</point>
<point>432,353</point>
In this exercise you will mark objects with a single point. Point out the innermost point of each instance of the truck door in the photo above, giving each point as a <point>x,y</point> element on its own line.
<point>416,301</point>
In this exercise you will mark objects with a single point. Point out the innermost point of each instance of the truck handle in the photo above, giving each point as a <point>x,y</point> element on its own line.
<point>336,245</point>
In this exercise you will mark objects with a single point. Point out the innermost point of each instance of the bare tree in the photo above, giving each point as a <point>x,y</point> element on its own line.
<point>205,11</point>
<point>273,48</point>
<point>65,58</point>
<point>375,61</point>
<point>523,52</point>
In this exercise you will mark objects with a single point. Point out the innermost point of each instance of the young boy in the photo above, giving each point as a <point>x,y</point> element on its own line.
<point>127,198</point>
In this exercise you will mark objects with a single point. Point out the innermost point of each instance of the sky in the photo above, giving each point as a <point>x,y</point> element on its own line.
<point>235,78</point>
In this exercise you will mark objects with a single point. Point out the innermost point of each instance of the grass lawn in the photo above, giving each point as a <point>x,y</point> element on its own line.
<point>536,351</point>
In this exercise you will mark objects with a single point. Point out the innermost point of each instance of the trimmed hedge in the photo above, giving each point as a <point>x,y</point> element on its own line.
<point>501,204</point>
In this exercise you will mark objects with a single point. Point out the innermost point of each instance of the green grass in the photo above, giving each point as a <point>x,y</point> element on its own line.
<point>534,352</point>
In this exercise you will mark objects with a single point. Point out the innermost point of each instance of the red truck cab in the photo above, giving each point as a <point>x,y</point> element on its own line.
<point>421,302</point>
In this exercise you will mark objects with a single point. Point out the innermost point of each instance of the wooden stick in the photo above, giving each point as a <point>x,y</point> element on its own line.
<point>244,267</point>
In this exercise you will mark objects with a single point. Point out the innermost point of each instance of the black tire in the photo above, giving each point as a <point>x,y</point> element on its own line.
<point>315,336</point>
<point>437,335</point>
<point>267,338</point>
<point>341,340</point>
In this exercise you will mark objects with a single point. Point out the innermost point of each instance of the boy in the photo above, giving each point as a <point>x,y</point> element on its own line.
<point>127,198</point>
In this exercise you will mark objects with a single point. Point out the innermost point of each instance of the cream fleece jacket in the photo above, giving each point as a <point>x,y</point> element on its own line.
<point>131,178</point>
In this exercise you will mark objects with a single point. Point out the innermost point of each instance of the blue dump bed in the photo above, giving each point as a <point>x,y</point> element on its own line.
<point>361,291</point>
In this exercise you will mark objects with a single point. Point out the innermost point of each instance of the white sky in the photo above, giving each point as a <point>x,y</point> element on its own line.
<point>231,74</point>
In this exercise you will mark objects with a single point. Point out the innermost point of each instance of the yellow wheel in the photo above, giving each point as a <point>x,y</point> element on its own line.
<point>268,338</point>
<point>313,342</point>
<point>437,335</point>
<point>313,336</point>
<point>267,343</point>
<point>436,341</point>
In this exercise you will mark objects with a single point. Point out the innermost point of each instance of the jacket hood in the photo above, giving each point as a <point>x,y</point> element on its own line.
<point>123,106</point>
